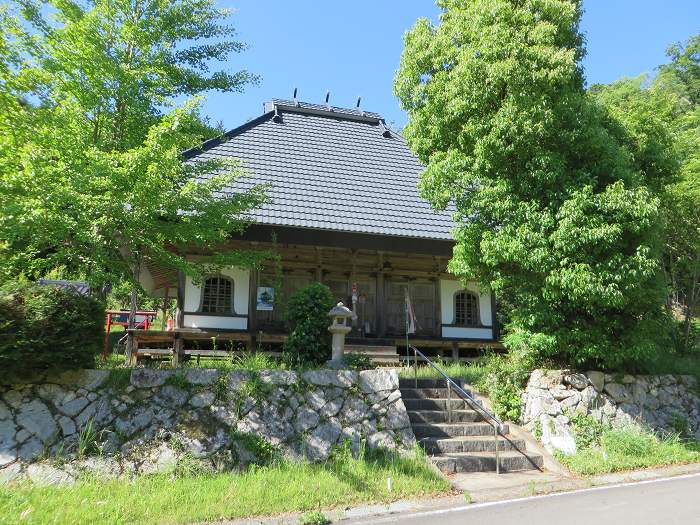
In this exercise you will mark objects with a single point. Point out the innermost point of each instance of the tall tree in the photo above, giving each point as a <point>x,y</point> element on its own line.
<point>92,173</point>
<point>551,211</point>
<point>681,77</point>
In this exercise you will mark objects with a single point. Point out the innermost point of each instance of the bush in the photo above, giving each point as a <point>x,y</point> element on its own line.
<point>503,380</point>
<point>309,341</point>
<point>358,361</point>
<point>43,327</point>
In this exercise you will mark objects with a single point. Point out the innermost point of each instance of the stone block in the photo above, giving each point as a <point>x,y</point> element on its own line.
<point>202,399</point>
<point>597,379</point>
<point>36,418</point>
<point>149,377</point>
<point>279,377</point>
<point>578,381</point>
<point>201,376</point>
<point>379,380</point>
<point>88,379</point>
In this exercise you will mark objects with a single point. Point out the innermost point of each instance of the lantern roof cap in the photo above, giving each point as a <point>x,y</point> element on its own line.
<point>340,310</point>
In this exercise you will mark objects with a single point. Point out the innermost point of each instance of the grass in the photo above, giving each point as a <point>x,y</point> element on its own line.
<point>605,449</point>
<point>471,372</point>
<point>675,363</point>
<point>283,487</point>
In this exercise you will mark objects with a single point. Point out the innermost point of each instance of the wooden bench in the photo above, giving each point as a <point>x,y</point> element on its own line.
<point>145,343</point>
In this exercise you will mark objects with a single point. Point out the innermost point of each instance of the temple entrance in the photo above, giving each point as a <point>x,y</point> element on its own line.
<point>422,294</point>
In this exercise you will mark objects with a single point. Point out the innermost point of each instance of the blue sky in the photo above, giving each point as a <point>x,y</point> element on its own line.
<point>352,48</point>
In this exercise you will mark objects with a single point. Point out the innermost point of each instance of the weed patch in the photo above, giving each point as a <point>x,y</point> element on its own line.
<point>602,449</point>
<point>314,517</point>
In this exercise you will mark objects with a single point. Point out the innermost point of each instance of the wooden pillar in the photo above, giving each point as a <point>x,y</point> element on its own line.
<point>381,301</point>
<point>319,264</point>
<point>132,355</point>
<point>178,343</point>
<point>252,308</point>
<point>437,329</point>
<point>180,310</point>
<point>163,322</point>
<point>494,320</point>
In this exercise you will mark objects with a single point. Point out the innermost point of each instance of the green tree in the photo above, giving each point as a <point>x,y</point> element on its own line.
<point>92,172</point>
<point>682,73</point>
<point>681,77</point>
<point>551,210</point>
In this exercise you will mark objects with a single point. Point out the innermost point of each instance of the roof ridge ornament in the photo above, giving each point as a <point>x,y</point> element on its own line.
<point>294,97</point>
<point>357,106</point>
<point>328,97</point>
<point>277,117</point>
<point>386,132</point>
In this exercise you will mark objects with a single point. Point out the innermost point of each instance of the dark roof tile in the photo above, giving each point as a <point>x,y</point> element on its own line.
<point>331,170</point>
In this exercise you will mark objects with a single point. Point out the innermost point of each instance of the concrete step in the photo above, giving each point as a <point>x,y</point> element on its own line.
<point>439,446</point>
<point>409,382</point>
<point>435,404</point>
<point>372,350</point>
<point>428,393</point>
<point>440,416</point>
<point>383,360</point>
<point>447,430</point>
<point>486,462</point>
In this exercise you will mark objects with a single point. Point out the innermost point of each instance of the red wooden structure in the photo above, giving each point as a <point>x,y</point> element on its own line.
<point>121,318</point>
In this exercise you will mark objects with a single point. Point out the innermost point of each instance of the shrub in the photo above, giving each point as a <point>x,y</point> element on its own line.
<point>358,361</point>
<point>43,327</point>
<point>503,379</point>
<point>309,342</point>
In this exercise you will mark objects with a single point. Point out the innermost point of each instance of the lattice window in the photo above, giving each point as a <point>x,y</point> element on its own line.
<point>217,296</point>
<point>466,309</point>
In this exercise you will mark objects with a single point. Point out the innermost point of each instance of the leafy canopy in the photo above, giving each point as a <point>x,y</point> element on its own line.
<point>552,211</point>
<point>91,173</point>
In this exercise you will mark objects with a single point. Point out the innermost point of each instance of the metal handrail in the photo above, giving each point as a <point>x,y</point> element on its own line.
<point>451,384</point>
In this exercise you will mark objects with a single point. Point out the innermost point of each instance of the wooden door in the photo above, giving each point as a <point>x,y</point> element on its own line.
<point>422,294</point>
<point>339,286</point>
<point>366,306</point>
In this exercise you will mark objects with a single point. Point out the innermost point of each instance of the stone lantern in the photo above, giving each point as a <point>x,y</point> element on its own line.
<point>339,315</point>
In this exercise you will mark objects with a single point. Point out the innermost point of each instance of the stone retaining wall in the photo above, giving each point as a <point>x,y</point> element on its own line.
<point>149,420</point>
<point>660,402</point>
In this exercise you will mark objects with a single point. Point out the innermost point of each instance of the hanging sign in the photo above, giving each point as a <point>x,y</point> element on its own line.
<point>265,298</point>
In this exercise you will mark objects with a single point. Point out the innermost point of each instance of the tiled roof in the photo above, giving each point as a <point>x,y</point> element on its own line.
<point>331,169</point>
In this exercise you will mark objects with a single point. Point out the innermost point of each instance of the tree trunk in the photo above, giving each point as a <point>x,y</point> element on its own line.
<point>689,309</point>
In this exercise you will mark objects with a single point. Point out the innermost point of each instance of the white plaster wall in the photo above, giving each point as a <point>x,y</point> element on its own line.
<point>241,293</point>
<point>447,291</point>
<point>215,321</point>
<point>459,332</point>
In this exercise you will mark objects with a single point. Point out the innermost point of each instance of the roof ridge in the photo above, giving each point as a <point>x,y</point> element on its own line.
<point>322,109</point>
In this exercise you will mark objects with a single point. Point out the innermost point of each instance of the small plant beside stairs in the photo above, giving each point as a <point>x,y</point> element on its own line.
<point>466,443</point>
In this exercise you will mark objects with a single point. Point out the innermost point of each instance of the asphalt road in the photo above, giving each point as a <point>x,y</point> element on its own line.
<point>658,502</point>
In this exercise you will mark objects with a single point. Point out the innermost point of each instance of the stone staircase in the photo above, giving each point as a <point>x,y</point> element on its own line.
<point>466,444</point>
